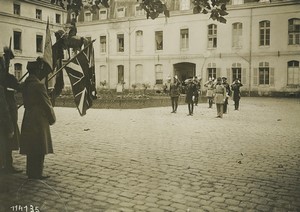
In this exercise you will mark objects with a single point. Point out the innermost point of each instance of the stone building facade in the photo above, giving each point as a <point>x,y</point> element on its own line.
<point>25,22</point>
<point>259,44</point>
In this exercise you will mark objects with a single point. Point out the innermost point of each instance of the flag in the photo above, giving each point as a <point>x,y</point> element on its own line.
<point>80,71</point>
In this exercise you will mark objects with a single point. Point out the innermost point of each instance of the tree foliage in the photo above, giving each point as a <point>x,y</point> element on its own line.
<point>216,8</point>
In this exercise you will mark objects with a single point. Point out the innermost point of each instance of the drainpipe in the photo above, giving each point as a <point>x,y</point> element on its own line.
<point>250,54</point>
<point>108,62</point>
<point>129,54</point>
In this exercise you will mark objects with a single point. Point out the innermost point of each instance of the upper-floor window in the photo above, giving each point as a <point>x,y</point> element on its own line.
<point>159,40</point>
<point>185,4</point>
<point>17,9</point>
<point>18,70</point>
<point>39,43</point>
<point>120,12</point>
<point>212,36</point>
<point>38,14</point>
<point>103,14</point>
<point>139,40</point>
<point>120,40</point>
<point>237,32</point>
<point>158,74</point>
<point>264,73</point>
<point>57,18</point>
<point>103,44</point>
<point>184,38</point>
<point>139,10</point>
<point>87,16</point>
<point>17,40</point>
<point>293,73</point>
<point>294,31</point>
<point>264,33</point>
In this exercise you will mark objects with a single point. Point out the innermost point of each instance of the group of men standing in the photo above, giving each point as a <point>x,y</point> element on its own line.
<point>218,92</point>
<point>34,141</point>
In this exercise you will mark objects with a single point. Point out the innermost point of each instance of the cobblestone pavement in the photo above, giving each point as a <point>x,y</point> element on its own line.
<point>153,160</point>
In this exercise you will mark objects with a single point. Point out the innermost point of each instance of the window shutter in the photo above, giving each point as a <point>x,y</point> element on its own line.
<point>272,76</point>
<point>228,75</point>
<point>218,72</point>
<point>255,72</point>
<point>244,76</point>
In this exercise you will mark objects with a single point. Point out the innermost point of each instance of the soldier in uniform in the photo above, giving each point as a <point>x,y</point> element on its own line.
<point>197,84</point>
<point>220,96</point>
<point>174,93</point>
<point>228,93</point>
<point>210,91</point>
<point>236,93</point>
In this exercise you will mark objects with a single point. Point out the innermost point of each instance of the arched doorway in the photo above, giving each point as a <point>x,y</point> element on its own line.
<point>184,70</point>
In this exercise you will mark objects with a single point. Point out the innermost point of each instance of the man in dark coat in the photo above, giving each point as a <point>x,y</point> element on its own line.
<point>36,139</point>
<point>10,85</point>
<point>174,93</point>
<point>190,95</point>
<point>236,93</point>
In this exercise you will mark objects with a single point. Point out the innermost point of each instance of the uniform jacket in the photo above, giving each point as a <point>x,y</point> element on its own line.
<point>38,116</point>
<point>236,91</point>
<point>220,94</point>
<point>174,89</point>
<point>210,88</point>
<point>190,92</point>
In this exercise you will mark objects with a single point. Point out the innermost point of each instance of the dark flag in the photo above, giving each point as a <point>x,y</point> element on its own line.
<point>82,77</point>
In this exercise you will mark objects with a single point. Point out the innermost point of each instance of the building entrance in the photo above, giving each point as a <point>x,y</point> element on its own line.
<point>184,70</point>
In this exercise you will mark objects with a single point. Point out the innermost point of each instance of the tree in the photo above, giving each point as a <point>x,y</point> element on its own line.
<point>216,8</point>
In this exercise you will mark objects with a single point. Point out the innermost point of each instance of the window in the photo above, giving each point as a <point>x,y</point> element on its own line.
<point>120,74</point>
<point>139,41</point>
<point>184,4</point>
<point>294,31</point>
<point>103,75</point>
<point>38,14</point>
<point>102,44</point>
<point>57,18</point>
<point>159,40</point>
<point>17,9</point>
<point>263,72</point>
<point>212,36</point>
<point>18,71</point>
<point>184,38</point>
<point>211,71</point>
<point>158,74</point>
<point>73,16</point>
<point>293,73</point>
<point>17,40</point>
<point>87,16</point>
<point>139,11</point>
<point>102,14</point>
<point>139,73</point>
<point>121,12</point>
<point>236,71</point>
<point>264,33</point>
<point>120,38</point>
<point>237,31</point>
<point>39,43</point>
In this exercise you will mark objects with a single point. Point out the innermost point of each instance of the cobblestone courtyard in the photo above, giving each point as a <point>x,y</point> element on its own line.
<point>153,160</point>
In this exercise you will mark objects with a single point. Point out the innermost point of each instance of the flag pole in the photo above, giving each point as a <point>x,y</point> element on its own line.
<point>69,61</point>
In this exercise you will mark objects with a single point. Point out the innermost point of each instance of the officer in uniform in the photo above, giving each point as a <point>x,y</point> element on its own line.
<point>228,93</point>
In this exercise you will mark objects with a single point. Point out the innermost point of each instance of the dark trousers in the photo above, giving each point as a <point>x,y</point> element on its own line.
<point>236,104</point>
<point>210,102</point>
<point>225,105</point>
<point>7,158</point>
<point>191,108</point>
<point>35,165</point>
<point>174,101</point>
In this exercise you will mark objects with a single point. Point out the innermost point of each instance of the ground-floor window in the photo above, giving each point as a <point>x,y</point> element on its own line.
<point>264,73</point>
<point>212,73</point>
<point>158,74</point>
<point>18,70</point>
<point>293,73</point>
<point>236,73</point>
<point>120,73</point>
